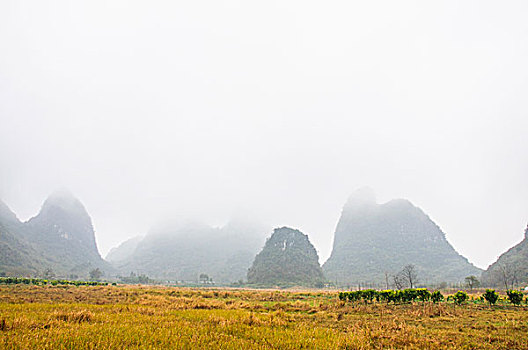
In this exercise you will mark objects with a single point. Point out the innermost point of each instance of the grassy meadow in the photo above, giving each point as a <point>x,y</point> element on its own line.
<point>141,317</point>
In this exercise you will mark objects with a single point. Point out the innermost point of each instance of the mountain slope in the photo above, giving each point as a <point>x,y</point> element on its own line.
<point>511,268</point>
<point>372,240</point>
<point>287,259</point>
<point>124,250</point>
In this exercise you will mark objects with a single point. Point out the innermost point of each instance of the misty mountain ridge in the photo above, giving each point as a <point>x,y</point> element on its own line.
<point>372,240</point>
<point>60,237</point>
<point>182,251</point>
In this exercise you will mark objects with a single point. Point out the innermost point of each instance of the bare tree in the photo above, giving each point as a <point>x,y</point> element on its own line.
<point>508,275</point>
<point>386,280</point>
<point>408,274</point>
<point>398,281</point>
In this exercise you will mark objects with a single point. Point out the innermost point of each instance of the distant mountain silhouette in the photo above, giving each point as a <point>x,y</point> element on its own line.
<point>60,238</point>
<point>372,240</point>
<point>184,251</point>
<point>287,259</point>
<point>124,250</point>
<point>511,268</point>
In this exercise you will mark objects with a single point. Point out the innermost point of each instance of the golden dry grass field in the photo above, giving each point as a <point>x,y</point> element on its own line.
<point>134,317</point>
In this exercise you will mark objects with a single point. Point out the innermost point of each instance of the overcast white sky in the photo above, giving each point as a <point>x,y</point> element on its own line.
<point>276,109</point>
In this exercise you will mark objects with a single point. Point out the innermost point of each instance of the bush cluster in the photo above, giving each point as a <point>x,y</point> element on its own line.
<point>491,296</point>
<point>515,297</point>
<point>395,296</point>
<point>39,281</point>
<point>460,297</point>
<point>422,294</point>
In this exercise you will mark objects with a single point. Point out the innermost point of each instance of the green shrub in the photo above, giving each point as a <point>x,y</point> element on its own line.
<point>515,297</point>
<point>490,296</point>
<point>387,295</point>
<point>460,297</point>
<point>423,294</point>
<point>368,294</point>
<point>437,297</point>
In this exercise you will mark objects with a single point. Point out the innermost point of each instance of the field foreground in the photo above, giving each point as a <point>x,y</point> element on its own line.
<point>116,317</point>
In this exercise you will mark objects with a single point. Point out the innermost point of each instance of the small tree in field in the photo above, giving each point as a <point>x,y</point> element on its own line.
<point>204,278</point>
<point>436,296</point>
<point>491,296</point>
<point>515,297</point>
<point>508,275</point>
<point>409,275</point>
<point>96,274</point>
<point>472,282</point>
<point>398,282</point>
<point>460,297</point>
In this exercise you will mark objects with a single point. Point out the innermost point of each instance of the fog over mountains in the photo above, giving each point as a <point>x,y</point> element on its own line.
<point>184,250</point>
<point>204,108</point>
<point>372,243</point>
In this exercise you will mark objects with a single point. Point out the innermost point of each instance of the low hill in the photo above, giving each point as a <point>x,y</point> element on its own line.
<point>287,259</point>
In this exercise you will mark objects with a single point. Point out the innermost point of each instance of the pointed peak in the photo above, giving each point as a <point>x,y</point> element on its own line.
<point>526,232</point>
<point>64,200</point>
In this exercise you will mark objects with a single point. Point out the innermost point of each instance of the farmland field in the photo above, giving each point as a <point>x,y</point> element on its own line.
<point>116,317</point>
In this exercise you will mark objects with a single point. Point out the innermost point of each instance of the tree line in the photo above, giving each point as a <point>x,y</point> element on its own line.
<point>40,281</point>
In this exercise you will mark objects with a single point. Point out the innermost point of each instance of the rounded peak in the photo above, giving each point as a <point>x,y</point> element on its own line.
<point>399,202</point>
<point>363,195</point>
<point>64,200</point>
<point>361,198</point>
<point>288,234</point>
<point>61,194</point>
<point>287,230</point>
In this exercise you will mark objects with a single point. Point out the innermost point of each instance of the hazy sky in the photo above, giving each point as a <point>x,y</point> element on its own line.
<point>275,109</point>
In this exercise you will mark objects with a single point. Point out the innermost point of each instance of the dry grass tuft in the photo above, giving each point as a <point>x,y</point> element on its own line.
<point>74,316</point>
